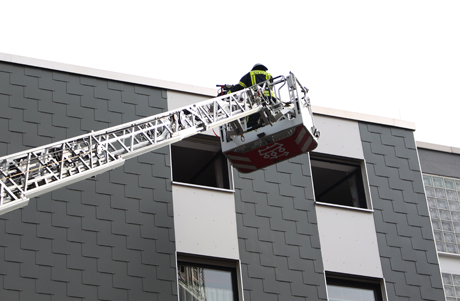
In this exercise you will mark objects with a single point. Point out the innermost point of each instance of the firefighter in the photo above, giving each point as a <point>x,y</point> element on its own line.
<point>257,75</point>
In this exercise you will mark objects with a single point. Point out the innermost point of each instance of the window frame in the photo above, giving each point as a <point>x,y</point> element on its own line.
<point>359,282</point>
<point>214,264</point>
<point>438,214</point>
<point>359,164</point>
<point>207,143</point>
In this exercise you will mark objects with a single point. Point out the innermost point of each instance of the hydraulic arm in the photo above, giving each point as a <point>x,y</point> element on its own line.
<point>34,172</point>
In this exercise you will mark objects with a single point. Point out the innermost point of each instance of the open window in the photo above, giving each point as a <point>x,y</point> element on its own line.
<point>339,181</point>
<point>202,279</point>
<point>199,161</point>
<point>350,288</point>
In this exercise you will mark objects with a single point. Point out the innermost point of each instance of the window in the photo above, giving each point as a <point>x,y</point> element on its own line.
<point>199,161</point>
<point>199,281</point>
<point>338,181</point>
<point>443,196</point>
<point>451,286</point>
<point>343,288</point>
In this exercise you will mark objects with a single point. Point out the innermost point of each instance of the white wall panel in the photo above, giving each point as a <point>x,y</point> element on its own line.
<point>339,137</point>
<point>348,241</point>
<point>449,263</point>
<point>205,222</point>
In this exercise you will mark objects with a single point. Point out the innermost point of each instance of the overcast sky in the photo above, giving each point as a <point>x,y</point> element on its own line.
<point>397,59</point>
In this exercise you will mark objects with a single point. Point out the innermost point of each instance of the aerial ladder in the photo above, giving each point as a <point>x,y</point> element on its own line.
<point>285,130</point>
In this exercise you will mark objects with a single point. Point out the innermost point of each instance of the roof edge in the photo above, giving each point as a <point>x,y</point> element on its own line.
<point>16,59</point>
<point>438,147</point>
<point>363,117</point>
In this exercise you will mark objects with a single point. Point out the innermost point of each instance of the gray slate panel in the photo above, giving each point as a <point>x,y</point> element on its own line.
<point>439,163</point>
<point>278,233</point>
<point>106,238</point>
<point>405,238</point>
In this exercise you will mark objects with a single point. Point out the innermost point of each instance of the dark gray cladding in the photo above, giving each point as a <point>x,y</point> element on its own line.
<point>107,238</point>
<point>439,163</point>
<point>404,233</point>
<point>278,233</point>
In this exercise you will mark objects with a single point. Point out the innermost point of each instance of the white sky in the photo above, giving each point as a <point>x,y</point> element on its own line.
<point>397,59</point>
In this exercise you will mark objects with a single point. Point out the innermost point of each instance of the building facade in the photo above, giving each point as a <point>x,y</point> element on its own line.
<point>441,176</point>
<point>349,220</point>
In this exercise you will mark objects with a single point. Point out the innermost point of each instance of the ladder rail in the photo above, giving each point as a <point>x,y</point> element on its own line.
<point>33,172</point>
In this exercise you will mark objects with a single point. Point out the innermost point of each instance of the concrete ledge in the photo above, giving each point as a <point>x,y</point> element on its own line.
<point>107,74</point>
<point>437,147</point>
<point>363,117</point>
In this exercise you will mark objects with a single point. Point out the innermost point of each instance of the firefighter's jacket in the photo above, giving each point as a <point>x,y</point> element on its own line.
<point>252,78</point>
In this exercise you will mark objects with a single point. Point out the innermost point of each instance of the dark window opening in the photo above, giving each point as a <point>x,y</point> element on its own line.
<point>342,288</point>
<point>198,281</point>
<point>200,161</point>
<point>338,182</point>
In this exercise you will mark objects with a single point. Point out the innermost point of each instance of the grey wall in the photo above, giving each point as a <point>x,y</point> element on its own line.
<point>439,163</point>
<point>107,238</point>
<point>278,233</point>
<point>112,237</point>
<point>405,238</point>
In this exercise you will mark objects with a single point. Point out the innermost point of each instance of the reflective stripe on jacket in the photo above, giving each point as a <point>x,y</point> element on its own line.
<point>253,78</point>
